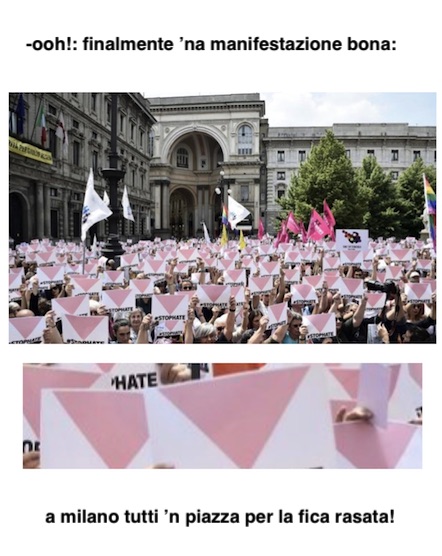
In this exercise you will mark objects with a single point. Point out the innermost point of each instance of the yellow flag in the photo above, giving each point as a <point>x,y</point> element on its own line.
<point>224,238</point>
<point>242,241</point>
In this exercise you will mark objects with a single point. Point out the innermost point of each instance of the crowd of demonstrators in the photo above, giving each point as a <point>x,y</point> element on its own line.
<point>247,311</point>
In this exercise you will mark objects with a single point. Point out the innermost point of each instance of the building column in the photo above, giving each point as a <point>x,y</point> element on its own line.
<point>66,212</point>
<point>47,212</point>
<point>165,200</point>
<point>39,211</point>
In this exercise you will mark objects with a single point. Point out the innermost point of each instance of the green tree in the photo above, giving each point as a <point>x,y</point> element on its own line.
<point>326,174</point>
<point>382,215</point>
<point>412,197</point>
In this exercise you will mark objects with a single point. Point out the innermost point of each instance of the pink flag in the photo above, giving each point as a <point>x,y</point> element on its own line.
<point>317,228</point>
<point>284,233</point>
<point>329,219</point>
<point>292,225</point>
<point>303,232</point>
<point>261,231</point>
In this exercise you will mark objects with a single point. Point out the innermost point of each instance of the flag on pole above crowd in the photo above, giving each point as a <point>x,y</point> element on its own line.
<point>329,220</point>
<point>41,122</point>
<point>62,133</point>
<point>206,233</point>
<point>224,238</point>
<point>127,211</point>
<point>292,225</point>
<point>236,212</point>
<point>430,205</point>
<point>242,241</point>
<point>224,219</point>
<point>94,208</point>
<point>317,228</point>
<point>261,230</point>
<point>20,112</point>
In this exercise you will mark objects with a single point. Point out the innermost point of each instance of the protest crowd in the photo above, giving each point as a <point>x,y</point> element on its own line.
<point>242,290</point>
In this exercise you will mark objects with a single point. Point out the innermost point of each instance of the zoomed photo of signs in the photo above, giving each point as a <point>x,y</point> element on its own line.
<point>222,415</point>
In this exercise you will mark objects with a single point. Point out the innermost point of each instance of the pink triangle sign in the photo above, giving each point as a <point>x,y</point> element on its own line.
<point>239,413</point>
<point>115,428</point>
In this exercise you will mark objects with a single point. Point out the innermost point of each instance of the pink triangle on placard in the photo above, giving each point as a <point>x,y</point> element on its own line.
<point>238,413</point>
<point>352,284</point>
<point>84,326</point>
<point>415,370</point>
<point>278,310</point>
<point>113,424</point>
<point>369,447</point>
<point>25,325</point>
<point>170,302</point>
<point>348,378</point>
<point>304,290</point>
<point>71,303</point>
<point>106,367</point>
<point>119,296</point>
<point>320,322</point>
<point>37,378</point>
<point>214,292</point>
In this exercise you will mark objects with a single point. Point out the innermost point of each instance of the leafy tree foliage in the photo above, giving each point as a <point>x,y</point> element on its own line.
<point>382,215</point>
<point>326,174</point>
<point>411,192</point>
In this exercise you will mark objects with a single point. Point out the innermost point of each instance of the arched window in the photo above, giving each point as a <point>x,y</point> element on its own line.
<point>280,190</point>
<point>245,139</point>
<point>182,158</point>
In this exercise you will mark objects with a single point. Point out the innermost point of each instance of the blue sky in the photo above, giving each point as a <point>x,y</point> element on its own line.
<point>324,109</point>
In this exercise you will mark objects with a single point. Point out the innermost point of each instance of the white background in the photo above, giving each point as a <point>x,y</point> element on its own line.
<point>26,496</point>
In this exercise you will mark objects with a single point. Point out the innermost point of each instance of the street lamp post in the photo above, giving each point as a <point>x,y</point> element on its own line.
<point>223,192</point>
<point>113,175</point>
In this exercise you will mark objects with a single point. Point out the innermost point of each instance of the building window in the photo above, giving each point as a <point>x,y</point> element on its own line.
<point>151,141</point>
<point>395,155</point>
<point>53,192</point>
<point>416,155</point>
<point>182,158</point>
<point>142,181</point>
<point>394,176</point>
<point>245,140</point>
<point>370,152</point>
<point>280,156</point>
<point>132,131</point>
<point>301,156</point>
<point>280,193</point>
<point>141,138</point>
<point>54,223</point>
<point>52,110</point>
<point>244,193</point>
<point>75,124</point>
<point>76,153</point>
<point>435,157</point>
<point>108,112</point>
<point>280,175</point>
<point>94,102</point>
<point>122,123</point>
<point>76,197</point>
<point>53,142</point>
<point>348,153</point>
<point>95,161</point>
<point>133,178</point>
<point>94,135</point>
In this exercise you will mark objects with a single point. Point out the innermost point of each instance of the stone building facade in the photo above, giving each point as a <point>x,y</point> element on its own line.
<point>47,181</point>
<point>182,157</point>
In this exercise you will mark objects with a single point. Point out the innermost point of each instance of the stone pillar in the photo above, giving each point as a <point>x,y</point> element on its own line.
<point>47,212</point>
<point>39,210</point>
<point>66,213</point>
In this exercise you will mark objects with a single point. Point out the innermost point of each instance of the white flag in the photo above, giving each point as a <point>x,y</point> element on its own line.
<point>206,233</point>
<point>127,211</point>
<point>94,208</point>
<point>106,198</point>
<point>236,212</point>
<point>62,133</point>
